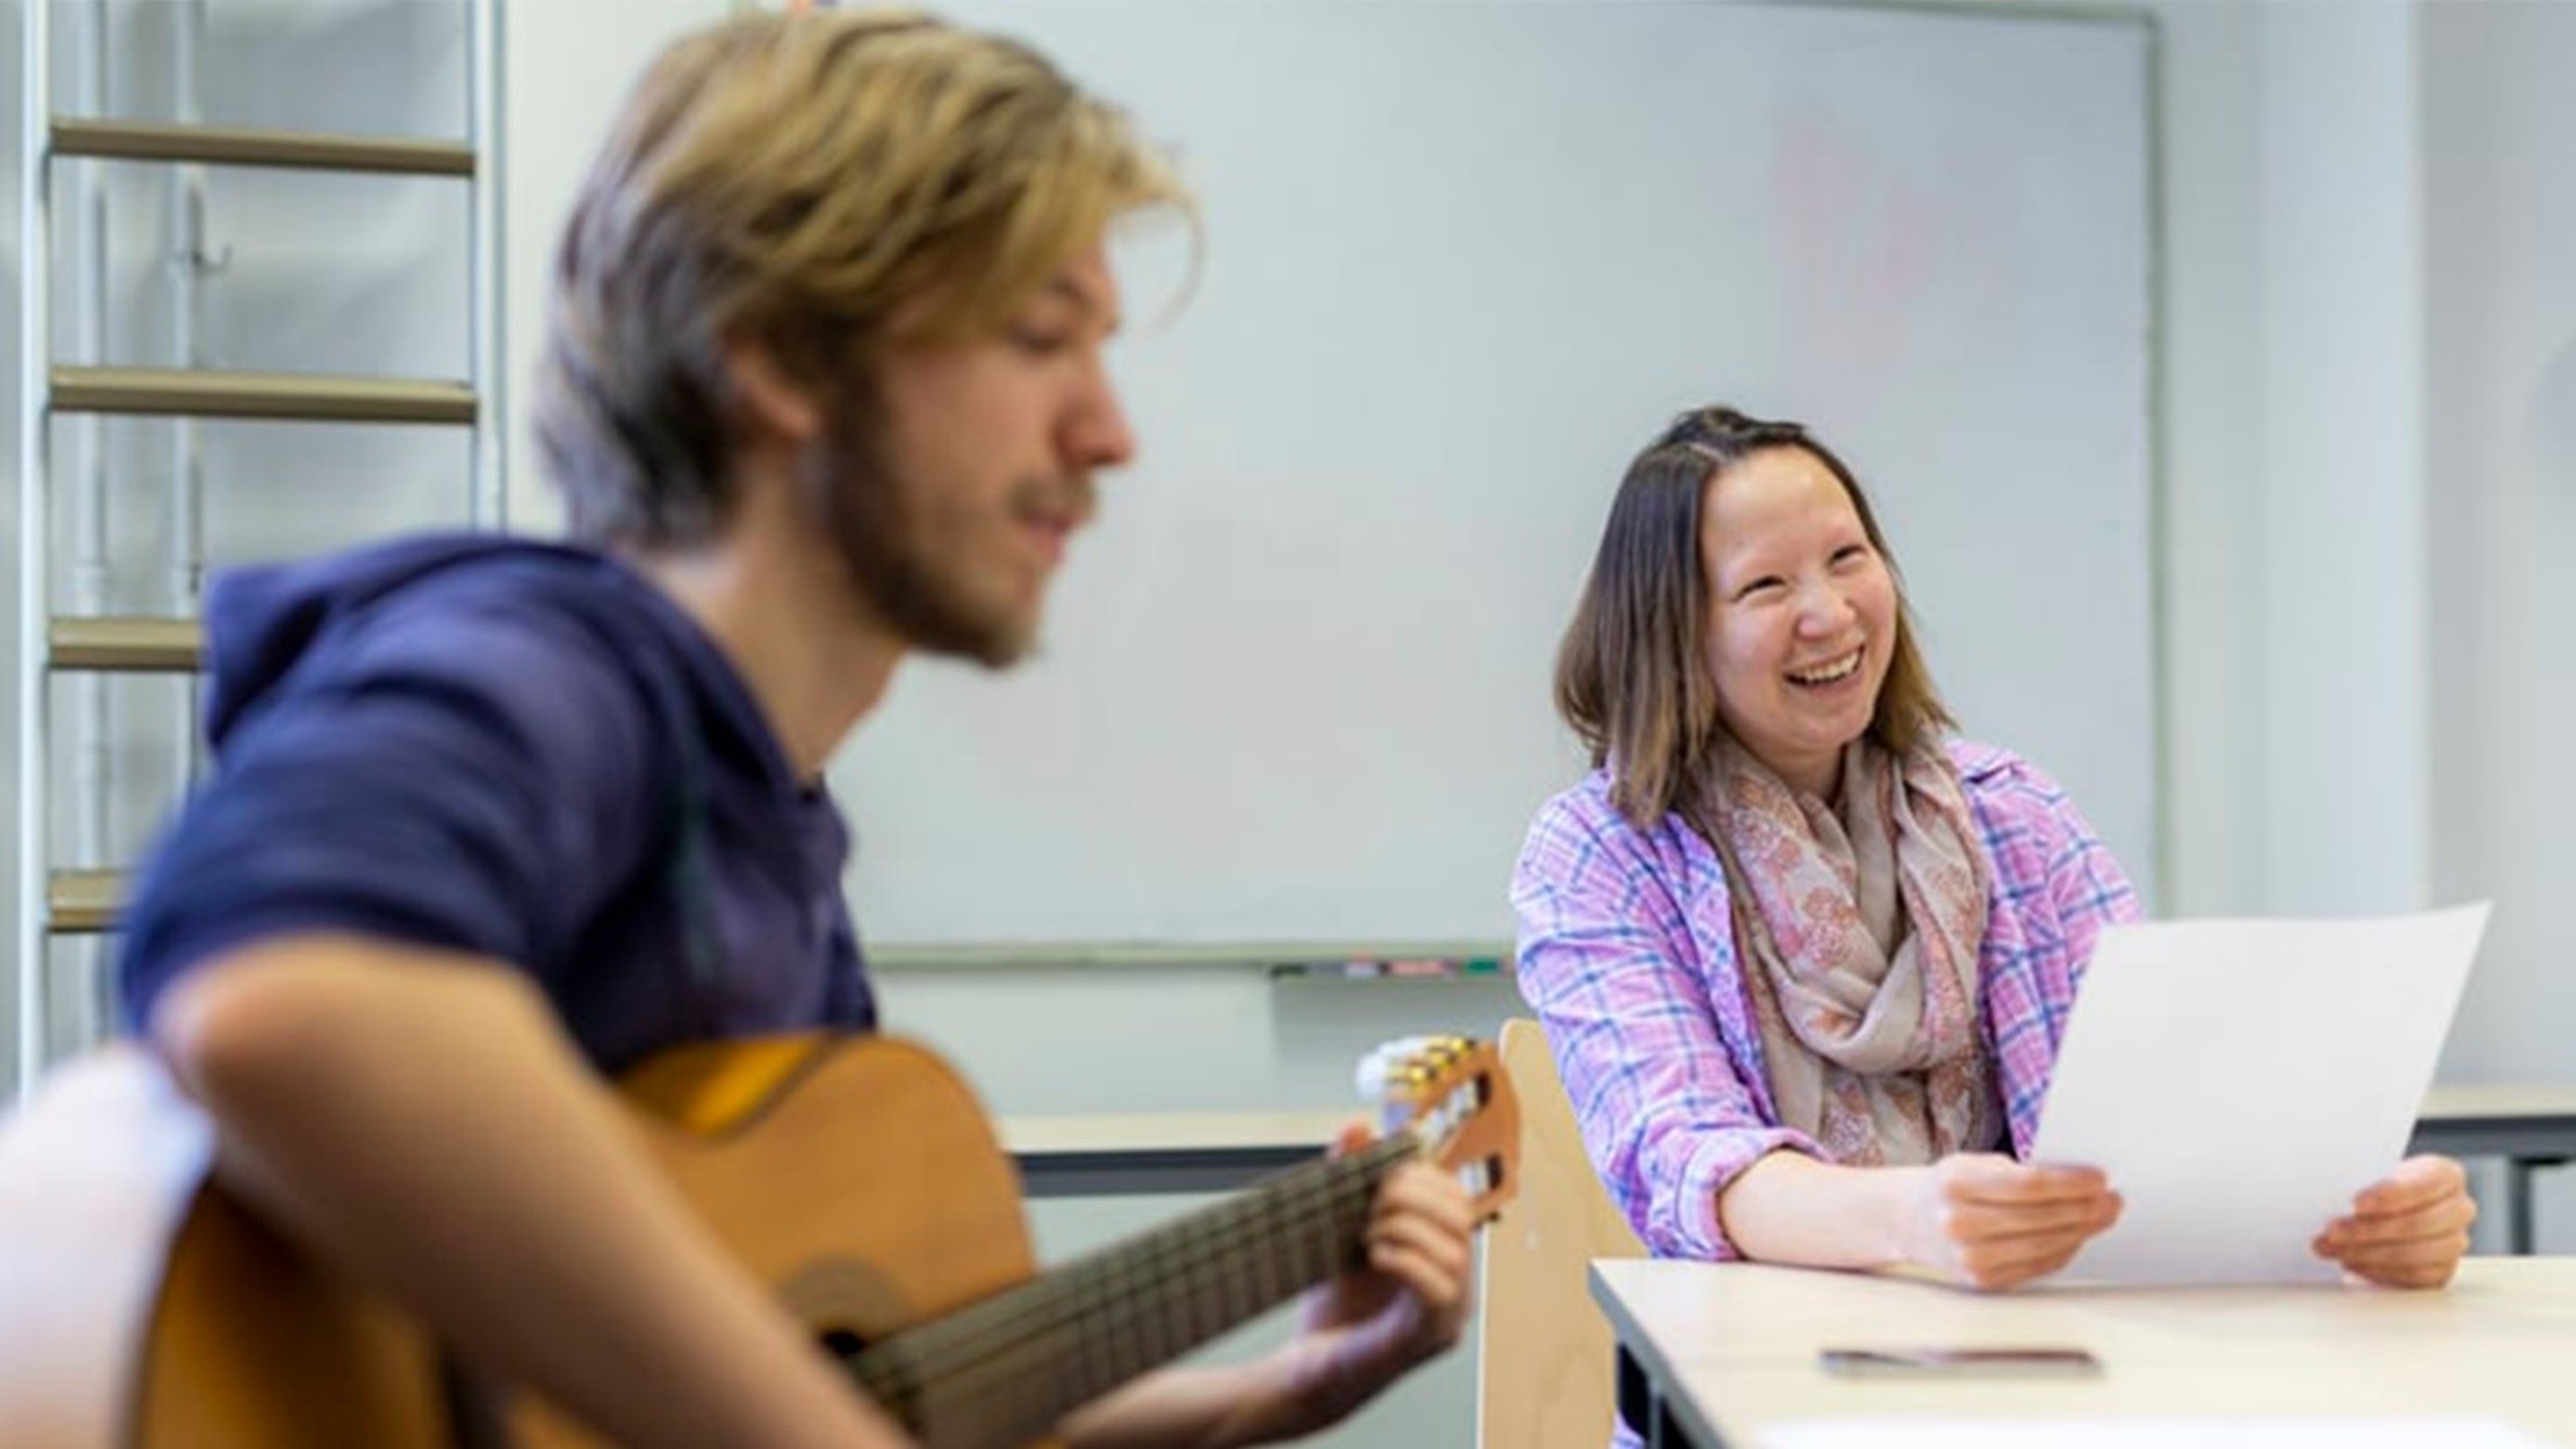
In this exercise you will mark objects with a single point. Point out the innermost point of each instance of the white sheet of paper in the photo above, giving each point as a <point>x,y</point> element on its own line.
<point>2241,1080</point>
<point>2173,1433</point>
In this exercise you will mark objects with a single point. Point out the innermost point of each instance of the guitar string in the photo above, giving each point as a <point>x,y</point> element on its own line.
<point>928,1355</point>
<point>1111,1324</point>
<point>1111,1285</point>
<point>1054,1313</point>
<point>1041,1299</point>
<point>1002,1312</point>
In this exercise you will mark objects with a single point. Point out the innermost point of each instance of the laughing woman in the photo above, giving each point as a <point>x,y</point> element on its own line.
<point>1802,956</point>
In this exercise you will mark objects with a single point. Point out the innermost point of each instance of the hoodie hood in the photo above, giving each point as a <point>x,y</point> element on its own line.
<point>264,622</point>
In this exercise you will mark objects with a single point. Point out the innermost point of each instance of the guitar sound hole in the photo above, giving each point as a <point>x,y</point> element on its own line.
<point>841,1343</point>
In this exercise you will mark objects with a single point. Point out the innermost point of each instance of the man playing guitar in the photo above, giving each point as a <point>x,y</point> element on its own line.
<point>823,385</point>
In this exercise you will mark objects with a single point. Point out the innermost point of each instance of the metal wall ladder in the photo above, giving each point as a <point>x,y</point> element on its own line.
<point>54,902</point>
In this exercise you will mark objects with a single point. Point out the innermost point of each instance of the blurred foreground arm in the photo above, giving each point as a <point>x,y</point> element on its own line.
<point>419,1119</point>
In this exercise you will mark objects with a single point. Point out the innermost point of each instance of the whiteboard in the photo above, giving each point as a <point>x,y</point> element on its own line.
<point>1462,261</point>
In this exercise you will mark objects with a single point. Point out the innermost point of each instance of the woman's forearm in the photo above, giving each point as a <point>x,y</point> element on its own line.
<point>1790,1208</point>
<point>1978,1218</point>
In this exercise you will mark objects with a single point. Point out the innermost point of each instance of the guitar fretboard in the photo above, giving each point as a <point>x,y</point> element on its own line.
<point>1006,1370</point>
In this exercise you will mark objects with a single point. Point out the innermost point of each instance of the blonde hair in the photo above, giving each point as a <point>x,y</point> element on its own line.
<point>807,182</point>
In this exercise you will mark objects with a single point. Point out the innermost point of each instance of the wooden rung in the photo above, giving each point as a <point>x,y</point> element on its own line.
<point>83,902</point>
<point>225,146</point>
<point>126,645</point>
<point>295,397</point>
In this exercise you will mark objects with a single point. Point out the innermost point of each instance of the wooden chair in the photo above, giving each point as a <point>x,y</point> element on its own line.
<point>1544,1376</point>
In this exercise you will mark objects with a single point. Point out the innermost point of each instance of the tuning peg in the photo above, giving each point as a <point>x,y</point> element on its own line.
<point>1380,1067</point>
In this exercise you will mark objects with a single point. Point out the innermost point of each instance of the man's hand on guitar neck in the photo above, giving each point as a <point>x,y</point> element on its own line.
<point>1356,1334</point>
<point>1364,1330</point>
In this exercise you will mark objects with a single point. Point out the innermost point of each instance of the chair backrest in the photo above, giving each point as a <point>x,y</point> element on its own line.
<point>1543,1369</point>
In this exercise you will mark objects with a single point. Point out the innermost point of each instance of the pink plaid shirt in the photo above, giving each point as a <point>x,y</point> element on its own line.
<point>1627,955</point>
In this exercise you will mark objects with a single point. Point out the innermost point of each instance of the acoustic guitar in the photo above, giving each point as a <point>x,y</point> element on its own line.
<point>142,1306</point>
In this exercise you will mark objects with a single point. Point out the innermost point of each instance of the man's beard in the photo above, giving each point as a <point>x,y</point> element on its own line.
<point>879,534</point>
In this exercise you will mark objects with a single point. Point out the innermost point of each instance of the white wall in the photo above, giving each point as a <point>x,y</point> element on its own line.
<point>2388,694</point>
<point>2500,233</point>
<point>2371,426</point>
<point>2347,758</point>
<point>2211,440</point>
<point>2211,434</point>
<point>2414,421</point>
<point>2286,263</point>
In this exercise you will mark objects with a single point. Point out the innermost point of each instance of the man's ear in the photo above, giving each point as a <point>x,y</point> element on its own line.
<point>770,406</point>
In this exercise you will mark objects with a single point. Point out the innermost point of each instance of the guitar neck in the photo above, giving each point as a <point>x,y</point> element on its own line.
<point>1006,1370</point>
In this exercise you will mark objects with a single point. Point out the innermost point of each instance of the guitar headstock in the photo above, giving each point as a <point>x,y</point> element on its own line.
<point>1450,1094</point>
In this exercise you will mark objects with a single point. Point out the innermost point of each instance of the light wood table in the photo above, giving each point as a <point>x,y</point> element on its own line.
<point>1151,1152</point>
<point>1710,1353</point>
<point>2529,1126</point>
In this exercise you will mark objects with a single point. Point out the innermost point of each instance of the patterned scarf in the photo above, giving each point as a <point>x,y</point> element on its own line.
<point>1858,926</point>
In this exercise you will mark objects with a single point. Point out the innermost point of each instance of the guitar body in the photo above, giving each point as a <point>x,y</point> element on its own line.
<point>858,1176</point>
<point>143,1307</point>
<point>248,1342</point>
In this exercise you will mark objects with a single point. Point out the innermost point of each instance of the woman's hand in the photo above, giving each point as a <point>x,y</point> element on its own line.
<point>1992,1223</point>
<point>2407,1230</point>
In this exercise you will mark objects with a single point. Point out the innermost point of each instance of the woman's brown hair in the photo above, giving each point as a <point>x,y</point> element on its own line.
<point>1632,676</point>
